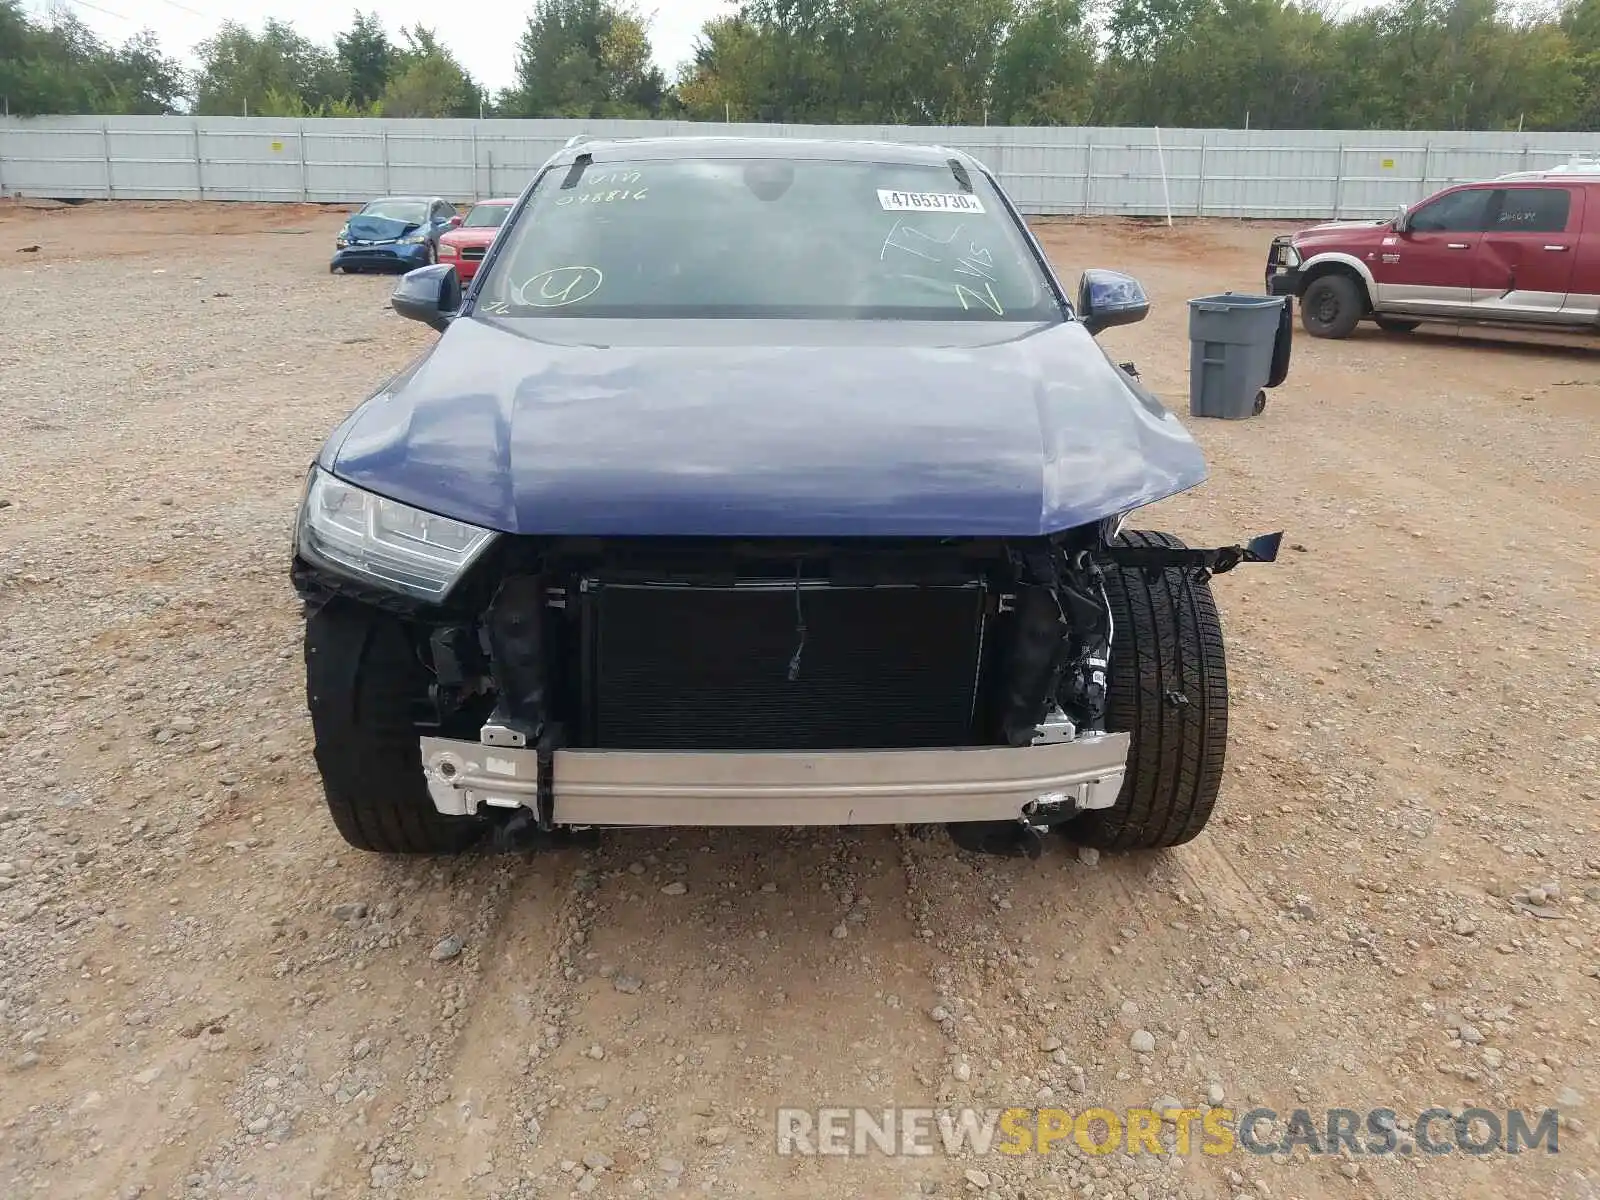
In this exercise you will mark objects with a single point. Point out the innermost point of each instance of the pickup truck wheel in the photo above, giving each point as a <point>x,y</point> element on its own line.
<point>1395,325</point>
<point>362,675</point>
<point>1331,306</point>
<point>1168,688</point>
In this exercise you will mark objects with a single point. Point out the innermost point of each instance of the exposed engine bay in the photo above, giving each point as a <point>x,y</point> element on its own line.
<point>669,647</point>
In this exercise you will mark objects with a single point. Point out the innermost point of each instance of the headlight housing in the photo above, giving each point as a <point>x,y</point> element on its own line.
<point>446,250</point>
<point>413,239</point>
<point>379,541</point>
<point>1288,255</point>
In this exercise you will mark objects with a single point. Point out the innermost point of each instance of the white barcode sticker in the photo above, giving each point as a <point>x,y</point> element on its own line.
<point>953,202</point>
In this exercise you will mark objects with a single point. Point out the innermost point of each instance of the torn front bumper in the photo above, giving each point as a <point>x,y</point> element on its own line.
<point>371,256</point>
<point>600,788</point>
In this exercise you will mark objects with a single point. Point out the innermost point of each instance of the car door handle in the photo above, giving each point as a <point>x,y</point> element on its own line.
<point>1456,245</point>
<point>1555,247</point>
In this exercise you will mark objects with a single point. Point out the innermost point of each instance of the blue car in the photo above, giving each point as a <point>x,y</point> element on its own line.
<point>397,233</point>
<point>761,482</point>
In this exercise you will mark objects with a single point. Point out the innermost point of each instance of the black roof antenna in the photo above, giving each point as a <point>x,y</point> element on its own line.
<point>960,172</point>
<point>579,166</point>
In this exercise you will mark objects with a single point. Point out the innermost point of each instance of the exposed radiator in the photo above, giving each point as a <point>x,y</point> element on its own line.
<point>710,668</point>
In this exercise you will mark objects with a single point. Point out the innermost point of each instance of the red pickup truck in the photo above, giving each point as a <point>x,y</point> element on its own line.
<point>1520,250</point>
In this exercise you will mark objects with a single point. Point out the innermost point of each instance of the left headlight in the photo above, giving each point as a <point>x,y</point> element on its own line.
<point>1288,255</point>
<point>384,542</point>
<point>413,239</point>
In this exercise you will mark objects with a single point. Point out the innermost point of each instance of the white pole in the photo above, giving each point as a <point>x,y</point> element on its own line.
<point>1161,158</point>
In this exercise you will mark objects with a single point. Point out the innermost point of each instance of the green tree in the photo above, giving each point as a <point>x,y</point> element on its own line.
<point>239,70</point>
<point>584,58</point>
<point>366,58</point>
<point>428,81</point>
<point>141,79</point>
<point>1046,72</point>
<point>726,79</point>
<point>61,67</point>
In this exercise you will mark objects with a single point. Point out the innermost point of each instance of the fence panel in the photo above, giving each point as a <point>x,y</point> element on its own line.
<point>1279,174</point>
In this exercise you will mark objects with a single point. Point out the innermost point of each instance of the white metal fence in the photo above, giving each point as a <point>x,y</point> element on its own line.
<point>1134,172</point>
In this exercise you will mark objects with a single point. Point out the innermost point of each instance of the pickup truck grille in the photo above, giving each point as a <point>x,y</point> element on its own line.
<point>695,668</point>
<point>472,253</point>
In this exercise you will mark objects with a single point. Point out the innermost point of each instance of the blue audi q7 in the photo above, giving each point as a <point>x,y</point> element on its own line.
<point>761,482</point>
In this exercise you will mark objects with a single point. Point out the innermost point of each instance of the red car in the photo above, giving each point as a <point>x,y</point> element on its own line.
<point>1521,250</point>
<point>464,246</point>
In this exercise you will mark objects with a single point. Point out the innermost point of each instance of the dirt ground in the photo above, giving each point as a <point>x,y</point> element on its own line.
<point>204,993</point>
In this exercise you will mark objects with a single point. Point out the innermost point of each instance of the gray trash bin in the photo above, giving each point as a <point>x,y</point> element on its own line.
<point>1231,341</point>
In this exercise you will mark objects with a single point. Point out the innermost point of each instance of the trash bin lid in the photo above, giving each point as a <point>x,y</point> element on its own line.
<point>1229,300</point>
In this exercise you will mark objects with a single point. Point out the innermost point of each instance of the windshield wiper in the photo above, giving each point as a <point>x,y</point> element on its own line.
<point>575,173</point>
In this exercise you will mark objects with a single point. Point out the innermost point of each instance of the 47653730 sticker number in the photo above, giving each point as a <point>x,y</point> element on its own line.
<point>951,202</point>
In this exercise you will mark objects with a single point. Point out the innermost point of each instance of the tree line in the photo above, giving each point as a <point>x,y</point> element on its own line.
<point>1404,64</point>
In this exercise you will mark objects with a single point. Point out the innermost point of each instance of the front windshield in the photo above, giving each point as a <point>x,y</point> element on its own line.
<point>831,240</point>
<point>412,211</point>
<point>486,216</point>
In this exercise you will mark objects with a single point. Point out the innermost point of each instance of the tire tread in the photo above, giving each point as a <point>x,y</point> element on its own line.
<point>1167,638</point>
<point>362,675</point>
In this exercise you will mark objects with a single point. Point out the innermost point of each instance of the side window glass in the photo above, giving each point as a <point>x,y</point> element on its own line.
<point>1533,210</point>
<point>1458,212</point>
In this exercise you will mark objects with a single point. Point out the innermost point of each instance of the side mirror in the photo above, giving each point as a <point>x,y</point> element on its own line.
<point>455,220</point>
<point>1402,222</point>
<point>1107,298</point>
<point>431,295</point>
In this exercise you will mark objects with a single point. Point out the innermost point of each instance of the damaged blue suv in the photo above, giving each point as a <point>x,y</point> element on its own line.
<point>761,482</point>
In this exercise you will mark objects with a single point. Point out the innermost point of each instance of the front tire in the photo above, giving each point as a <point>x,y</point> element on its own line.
<point>362,677</point>
<point>1168,688</point>
<point>1331,307</point>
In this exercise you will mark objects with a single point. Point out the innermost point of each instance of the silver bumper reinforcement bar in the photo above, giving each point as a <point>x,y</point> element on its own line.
<point>843,787</point>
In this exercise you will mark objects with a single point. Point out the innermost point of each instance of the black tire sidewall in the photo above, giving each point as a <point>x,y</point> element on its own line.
<point>1347,312</point>
<point>1166,643</point>
<point>362,678</point>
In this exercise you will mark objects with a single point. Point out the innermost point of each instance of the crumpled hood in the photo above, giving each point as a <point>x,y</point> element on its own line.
<point>370,228</point>
<point>717,428</point>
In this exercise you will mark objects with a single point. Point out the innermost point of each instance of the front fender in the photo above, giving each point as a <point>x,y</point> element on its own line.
<point>1328,257</point>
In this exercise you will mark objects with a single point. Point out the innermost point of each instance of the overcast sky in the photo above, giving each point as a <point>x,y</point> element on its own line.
<point>484,41</point>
